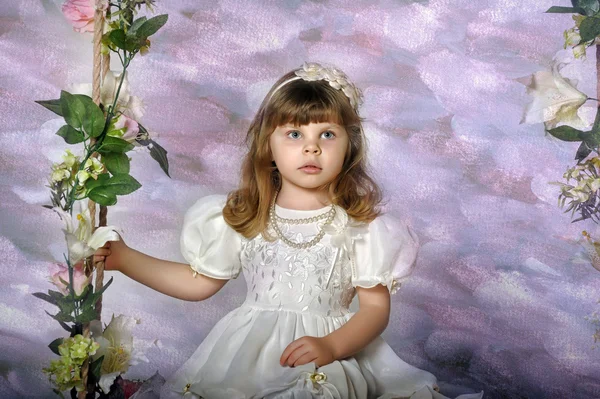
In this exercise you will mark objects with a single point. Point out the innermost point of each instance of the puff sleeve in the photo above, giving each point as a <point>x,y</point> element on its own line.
<point>208,244</point>
<point>386,254</point>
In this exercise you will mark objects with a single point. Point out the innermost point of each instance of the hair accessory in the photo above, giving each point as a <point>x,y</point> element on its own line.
<point>337,79</point>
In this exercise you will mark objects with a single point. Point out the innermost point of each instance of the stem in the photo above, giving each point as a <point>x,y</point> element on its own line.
<point>98,143</point>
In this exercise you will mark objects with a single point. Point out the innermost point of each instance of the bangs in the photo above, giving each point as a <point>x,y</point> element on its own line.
<point>301,102</point>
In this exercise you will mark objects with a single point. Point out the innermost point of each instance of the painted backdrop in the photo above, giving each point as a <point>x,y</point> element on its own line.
<point>501,290</point>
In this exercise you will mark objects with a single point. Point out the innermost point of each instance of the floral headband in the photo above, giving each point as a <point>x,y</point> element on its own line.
<point>336,78</point>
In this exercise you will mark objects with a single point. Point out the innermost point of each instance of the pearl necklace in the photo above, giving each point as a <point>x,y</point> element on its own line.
<point>329,215</point>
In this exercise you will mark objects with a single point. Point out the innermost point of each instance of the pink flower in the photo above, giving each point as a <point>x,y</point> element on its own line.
<point>81,13</point>
<point>125,128</point>
<point>60,271</point>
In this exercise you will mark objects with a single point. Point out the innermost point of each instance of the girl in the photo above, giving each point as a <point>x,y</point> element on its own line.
<point>305,229</point>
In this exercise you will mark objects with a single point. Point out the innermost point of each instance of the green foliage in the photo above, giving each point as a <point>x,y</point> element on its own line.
<point>590,7</point>
<point>71,135</point>
<point>54,345</point>
<point>137,35</point>
<point>80,112</point>
<point>589,29</point>
<point>52,105</point>
<point>114,144</point>
<point>566,133</point>
<point>116,163</point>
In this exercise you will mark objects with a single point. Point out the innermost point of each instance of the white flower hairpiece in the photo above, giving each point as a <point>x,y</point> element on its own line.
<point>337,79</point>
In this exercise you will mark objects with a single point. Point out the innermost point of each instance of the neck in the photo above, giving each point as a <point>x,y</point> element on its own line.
<point>302,199</point>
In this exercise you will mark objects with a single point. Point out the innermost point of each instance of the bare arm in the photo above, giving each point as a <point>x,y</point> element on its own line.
<point>366,324</point>
<point>171,278</point>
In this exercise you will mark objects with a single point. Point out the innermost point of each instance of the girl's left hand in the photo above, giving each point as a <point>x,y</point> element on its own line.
<point>305,350</point>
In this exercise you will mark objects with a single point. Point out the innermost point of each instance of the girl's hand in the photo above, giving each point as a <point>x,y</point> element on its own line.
<point>111,254</point>
<point>305,350</point>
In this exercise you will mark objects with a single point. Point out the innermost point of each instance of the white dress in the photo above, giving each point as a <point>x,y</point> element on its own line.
<point>294,293</point>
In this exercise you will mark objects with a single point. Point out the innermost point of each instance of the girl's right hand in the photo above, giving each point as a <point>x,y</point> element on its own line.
<point>110,253</point>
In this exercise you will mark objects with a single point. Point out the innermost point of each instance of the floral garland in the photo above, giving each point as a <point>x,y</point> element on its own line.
<point>556,102</point>
<point>109,129</point>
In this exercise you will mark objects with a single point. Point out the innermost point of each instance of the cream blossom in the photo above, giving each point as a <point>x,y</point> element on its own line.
<point>127,103</point>
<point>555,100</point>
<point>81,242</point>
<point>116,345</point>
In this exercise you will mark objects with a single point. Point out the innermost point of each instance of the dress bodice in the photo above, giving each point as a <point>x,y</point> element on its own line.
<point>315,279</point>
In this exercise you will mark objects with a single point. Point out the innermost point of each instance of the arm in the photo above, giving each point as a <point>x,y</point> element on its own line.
<point>366,324</point>
<point>171,278</point>
<point>358,332</point>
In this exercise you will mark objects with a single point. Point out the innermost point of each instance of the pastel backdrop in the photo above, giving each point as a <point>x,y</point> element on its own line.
<point>501,291</point>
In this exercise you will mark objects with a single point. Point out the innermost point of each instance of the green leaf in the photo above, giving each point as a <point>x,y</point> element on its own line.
<point>121,184</point>
<point>93,123</point>
<point>566,133</point>
<point>91,183</point>
<point>118,38</point>
<point>54,345</point>
<point>152,25</point>
<point>160,155</point>
<point>135,26</point>
<point>73,109</point>
<point>114,144</point>
<point>60,316</point>
<point>71,135</point>
<point>96,367</point>
<point>565,10</point>
<point>589,28</point>
<point>116,162</point>
<point>582,152</point>
<point>87,314</point>
<point>102,197</point>
<point>590,7</point>
<point>52,105</point>
<point>103,288</point>
<point>65,326</point>
<point>45,297</point>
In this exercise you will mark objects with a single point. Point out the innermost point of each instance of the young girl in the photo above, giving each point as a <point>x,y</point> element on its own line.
<point>305,230</point>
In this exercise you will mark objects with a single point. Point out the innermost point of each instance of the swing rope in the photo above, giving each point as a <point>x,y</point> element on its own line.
<point>101,65</point>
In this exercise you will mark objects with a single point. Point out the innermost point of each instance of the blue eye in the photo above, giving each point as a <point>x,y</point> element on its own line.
<point>328,135</point>
<point>294,134</point>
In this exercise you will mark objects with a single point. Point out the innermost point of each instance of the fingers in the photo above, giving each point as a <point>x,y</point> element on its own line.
<point>306,358</point>
<point>288,351</point>
<point>294,359</point>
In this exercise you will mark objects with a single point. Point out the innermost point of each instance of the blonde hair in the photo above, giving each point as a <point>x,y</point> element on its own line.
<point>300,102</point>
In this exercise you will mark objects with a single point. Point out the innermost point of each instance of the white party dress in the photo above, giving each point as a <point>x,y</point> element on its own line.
<point>294,293</point>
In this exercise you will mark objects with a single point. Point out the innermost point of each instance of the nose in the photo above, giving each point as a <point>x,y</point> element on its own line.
<point>312,149</point>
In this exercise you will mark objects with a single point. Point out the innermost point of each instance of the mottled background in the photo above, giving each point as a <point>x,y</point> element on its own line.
<point>501,291</point>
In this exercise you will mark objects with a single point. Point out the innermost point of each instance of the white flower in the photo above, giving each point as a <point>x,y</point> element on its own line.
<point>555,99</point>
<point>116,345</point>
<point>135,108</point>
<point>106,381</point>
<point>108,90</point>
<point>81,242</point>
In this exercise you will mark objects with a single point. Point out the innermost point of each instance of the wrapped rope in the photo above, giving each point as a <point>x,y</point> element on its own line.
<point>100,68</point>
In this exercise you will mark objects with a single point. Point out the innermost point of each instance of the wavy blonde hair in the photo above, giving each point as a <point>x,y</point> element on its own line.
<point>300,102</point>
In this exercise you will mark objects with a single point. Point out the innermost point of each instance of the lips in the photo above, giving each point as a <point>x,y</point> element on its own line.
<point>310,165</point>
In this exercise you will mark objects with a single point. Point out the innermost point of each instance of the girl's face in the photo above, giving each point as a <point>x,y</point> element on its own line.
<point>309,156</point>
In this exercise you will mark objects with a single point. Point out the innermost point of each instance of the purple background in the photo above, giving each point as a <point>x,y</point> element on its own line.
<point>501,289</point>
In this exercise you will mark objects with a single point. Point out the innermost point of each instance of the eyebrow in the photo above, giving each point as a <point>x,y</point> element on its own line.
<point>288,125</point>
